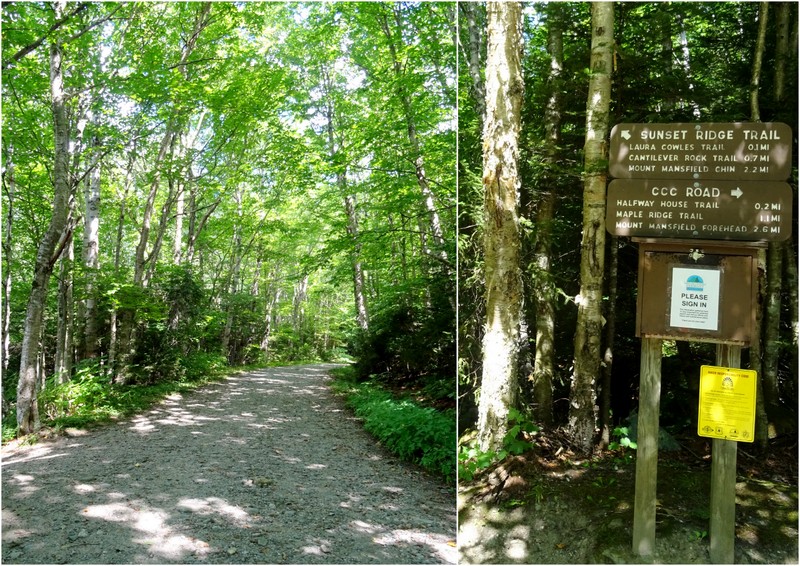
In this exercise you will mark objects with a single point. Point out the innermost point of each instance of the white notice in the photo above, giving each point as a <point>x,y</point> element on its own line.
<point>695,298</point>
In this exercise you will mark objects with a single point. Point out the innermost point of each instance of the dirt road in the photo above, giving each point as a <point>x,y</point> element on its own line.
<point>265,467</point>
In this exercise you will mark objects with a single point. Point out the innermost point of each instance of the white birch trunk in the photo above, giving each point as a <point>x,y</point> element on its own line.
<point>582,410</point>
<point>91,247</point>
<point>64,339</point>
<point>11,185</point>
<point>504,95</point>
<point>428,198</point>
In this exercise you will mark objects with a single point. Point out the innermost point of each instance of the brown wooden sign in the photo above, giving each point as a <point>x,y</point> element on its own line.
<point>710,210</point>
<point>670,303</point>
<point>734,151</point>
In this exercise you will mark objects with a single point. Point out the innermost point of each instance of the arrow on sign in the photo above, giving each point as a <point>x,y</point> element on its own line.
<point>626,134</point>
<point>737,192</point>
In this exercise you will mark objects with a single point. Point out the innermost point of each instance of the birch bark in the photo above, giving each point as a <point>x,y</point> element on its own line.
<point>91,248</point>
<point>582,410</point>
<point>504,93</point>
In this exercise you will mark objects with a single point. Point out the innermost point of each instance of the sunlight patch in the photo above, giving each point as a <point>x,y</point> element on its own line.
<point>319,547</point>
<point>215,505</point>
<point>144,520</point>
<point>437,543</point>
<point>175,547</point>
<point>362,527</point>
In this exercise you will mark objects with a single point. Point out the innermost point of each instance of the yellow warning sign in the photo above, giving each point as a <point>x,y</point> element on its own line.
<point>727,403</point>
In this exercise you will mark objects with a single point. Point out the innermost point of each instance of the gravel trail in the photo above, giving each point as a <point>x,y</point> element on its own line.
<point>266,467</point>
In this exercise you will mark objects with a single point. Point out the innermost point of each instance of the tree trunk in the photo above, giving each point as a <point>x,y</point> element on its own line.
<point>504,96</point>
<point>139,273</point>
<point>790,268</point>
<point>115,343</point>
<point>47,254</point>
<point>298,306</point>
<point>173,127</point>
<point>180,198</point>
<point>543,287</point>
<point>140,276</point>
<point>757,356</point>
<point>196,227</point>
<point>233,286</point>
<point>64,338</point>
<point>608,354</point>
<point>758,57</point>
<point>781,49</point>
<point>180,205</point>
<point>582,419</point>
<point>766,353</point>
<point>166,209</point>
<point>335,154</point>
<point>269,316</point>
<point>775,251</point>
<point>359,282</point>
<point>91,247</point>
<point>11,188</point>
<point>428,199</point>
<point>471,49</point>
<point>687,67</point>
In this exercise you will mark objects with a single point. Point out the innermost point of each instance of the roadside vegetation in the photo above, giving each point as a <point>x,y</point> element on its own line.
<point>403,421</point>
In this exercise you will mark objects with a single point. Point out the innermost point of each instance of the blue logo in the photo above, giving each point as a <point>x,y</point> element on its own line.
<point>695,283</point>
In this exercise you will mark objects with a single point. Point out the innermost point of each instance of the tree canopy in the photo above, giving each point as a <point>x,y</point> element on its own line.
<point>239,161</point>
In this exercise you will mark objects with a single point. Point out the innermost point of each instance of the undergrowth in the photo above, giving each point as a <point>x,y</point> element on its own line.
<point>417,434</point>
<point>519,439</point>
<point>90,398</point>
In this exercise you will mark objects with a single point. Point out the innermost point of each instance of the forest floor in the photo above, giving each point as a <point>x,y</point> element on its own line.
<point>543,508</point>
<point>265,467</point>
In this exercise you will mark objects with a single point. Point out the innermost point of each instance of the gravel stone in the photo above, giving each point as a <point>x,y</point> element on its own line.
<point>265,467</point>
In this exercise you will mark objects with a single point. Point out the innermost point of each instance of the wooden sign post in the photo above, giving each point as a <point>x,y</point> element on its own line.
<point>644,508</point>
<point>701,199</point>
<point>722,527</point>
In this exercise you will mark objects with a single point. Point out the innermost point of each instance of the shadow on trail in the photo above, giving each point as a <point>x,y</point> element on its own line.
<point>266,467</point>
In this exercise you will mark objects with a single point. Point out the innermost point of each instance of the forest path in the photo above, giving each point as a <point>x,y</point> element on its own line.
<point>265,467</point>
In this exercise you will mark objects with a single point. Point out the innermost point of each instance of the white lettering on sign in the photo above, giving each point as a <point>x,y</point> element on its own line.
<point>713,135</point>
<point>684,169</point>
<point>731,151</point>
<point>663,134</point>
<point>761,135</point>
<point>704,192</point>
<point>676,147</point>
<point>671,227</point>
<point>628,225</point>
<point>725,210</point>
